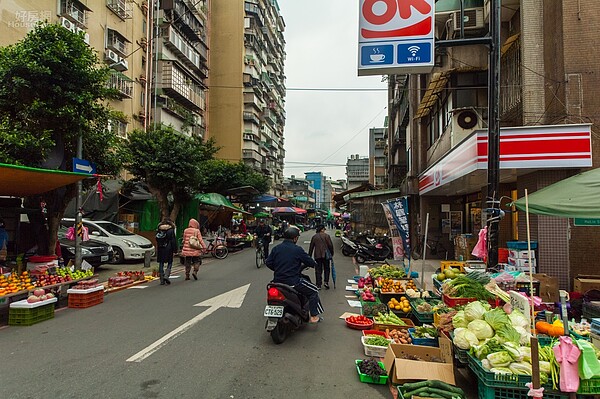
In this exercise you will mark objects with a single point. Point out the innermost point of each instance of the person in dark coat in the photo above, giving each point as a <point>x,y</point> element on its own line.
<point>322,246</point>
<point>287,260</point>
<point>166,247</point>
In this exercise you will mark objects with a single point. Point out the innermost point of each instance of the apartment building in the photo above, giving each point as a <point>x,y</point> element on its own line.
<point>117,30</point>
<point>178,65</point>
<point>300,192</point>
<point>247,84</point>
<point>319,182</point>
<point>548,110</point>
<point>378,157</point>
<point>357,171</point>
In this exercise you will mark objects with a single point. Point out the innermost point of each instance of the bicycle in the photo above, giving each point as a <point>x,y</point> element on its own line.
<point>260,253</point>
<point>216,248</point>
<point>433,244</point>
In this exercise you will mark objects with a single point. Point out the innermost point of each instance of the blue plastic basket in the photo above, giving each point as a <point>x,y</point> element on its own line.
<point>520,245</point>
<point>422,341</point>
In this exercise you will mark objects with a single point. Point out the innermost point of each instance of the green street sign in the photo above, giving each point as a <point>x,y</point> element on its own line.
<point>586,222</point>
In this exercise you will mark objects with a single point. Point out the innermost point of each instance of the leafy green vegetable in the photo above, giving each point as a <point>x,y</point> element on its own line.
<point>474,311</point>
<point>464,339</point>
<point>459,320</point>
<point>520,368</point>
<point>500,322</point>
<point>481,329</point>
<point>499,359</point>
<point>377,340</point>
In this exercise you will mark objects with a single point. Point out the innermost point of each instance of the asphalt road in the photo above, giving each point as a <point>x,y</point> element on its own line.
<point>122,348</point>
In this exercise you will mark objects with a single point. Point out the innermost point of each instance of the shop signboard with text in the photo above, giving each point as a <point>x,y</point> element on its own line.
<point>396,37</point>
<point>396,213</point>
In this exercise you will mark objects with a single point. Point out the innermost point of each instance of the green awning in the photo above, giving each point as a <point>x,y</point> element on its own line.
<point>575,197</point>
<point>301,199</point>
<point>218,201</point>
<point>22,181</point>
<point>454,5</point>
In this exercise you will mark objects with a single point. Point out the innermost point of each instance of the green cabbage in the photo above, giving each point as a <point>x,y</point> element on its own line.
<point>525,335</point>
<point>459,320</point>
<point>525,353</point>
<point>486,364</point>
<point>520,368</point>
<point>500,322</point>
<point>480,351</point>
<point>480,328</point>
<point>499,359</point>
<point>464,338</point>
<point>474,311</point>
<point>518,319</point>
<point>513,350</point>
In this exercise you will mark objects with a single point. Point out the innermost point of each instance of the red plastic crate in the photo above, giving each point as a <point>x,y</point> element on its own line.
<point>452,302</point>
<point>81,301</point>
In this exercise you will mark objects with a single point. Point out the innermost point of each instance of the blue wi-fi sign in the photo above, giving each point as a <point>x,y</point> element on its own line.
<point>414,53</point>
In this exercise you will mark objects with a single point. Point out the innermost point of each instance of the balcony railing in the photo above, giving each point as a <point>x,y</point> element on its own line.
<point>178,84</point>
<point>119,7</point>
<point>75,11</point>
<point>122,83</point>
<point>177,44</point>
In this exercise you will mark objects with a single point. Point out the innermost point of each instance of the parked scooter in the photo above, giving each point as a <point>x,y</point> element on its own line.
<point>286,310</point>
<point>377,253</point>
<point>349,247</point>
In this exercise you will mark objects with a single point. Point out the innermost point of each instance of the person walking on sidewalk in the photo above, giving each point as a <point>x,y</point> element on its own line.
<point>166,247</point>
<point>322,246</point>
<point>193,257</point>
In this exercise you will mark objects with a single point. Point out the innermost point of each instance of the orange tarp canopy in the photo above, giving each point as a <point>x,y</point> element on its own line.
<point>22,181</point>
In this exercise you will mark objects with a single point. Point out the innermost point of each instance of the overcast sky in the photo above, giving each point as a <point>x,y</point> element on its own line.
<point>325,126</point>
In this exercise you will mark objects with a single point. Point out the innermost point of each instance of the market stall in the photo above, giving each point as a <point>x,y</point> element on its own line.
<point>217,214</point>
<point>413,337</point>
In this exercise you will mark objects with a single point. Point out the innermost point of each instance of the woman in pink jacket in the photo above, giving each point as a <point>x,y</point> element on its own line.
<point>193,257</point>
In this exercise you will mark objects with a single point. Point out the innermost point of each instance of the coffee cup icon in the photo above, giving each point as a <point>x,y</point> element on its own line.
<point>377,57</point>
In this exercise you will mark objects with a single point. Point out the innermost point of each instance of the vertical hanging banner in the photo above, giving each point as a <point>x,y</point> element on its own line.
<point>396,37</point>
<point>396,213</point>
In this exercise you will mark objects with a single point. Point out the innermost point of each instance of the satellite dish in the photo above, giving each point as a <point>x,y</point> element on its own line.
<point>467,119</point>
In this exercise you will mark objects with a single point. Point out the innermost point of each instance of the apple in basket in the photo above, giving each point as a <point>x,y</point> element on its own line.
<point>39,292</point>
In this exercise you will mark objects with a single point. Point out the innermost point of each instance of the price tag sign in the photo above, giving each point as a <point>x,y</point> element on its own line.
<point>521,302</point>
<point>85,266</point>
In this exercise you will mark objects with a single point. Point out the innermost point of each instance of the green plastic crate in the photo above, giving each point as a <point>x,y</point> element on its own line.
<point>30,316</point>
<point>589,387</point>
<point>365,378</point>
<point>493,380</point>
<point>486,392</point>
<point>423,317</point>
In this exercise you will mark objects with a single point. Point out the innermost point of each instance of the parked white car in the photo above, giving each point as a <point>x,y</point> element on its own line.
<point>126,245</point>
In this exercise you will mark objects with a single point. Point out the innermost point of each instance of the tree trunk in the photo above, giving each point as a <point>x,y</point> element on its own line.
<point>163,202</point>
<point>175,211</point>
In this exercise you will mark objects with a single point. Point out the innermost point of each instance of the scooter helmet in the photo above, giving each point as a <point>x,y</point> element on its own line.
<point>291,232</point>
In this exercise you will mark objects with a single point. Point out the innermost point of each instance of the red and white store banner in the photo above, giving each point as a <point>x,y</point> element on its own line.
<point>526,147</point>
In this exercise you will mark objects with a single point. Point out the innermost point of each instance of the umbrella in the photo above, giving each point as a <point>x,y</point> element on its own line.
<point>288,210</point>
<point>262,215</point>
<point>333,274</point>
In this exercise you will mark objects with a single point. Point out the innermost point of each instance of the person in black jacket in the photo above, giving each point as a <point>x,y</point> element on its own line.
<point>287,260</point>
<point>166,247</point>
<point>263,232</point>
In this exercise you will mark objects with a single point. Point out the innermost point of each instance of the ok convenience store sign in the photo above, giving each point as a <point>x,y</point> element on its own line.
<point>396,37</point>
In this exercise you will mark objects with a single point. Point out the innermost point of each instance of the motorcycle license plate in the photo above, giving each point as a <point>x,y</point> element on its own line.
<point>273,311</point>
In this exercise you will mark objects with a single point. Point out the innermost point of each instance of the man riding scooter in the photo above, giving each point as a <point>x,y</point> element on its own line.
<point>287,260</point>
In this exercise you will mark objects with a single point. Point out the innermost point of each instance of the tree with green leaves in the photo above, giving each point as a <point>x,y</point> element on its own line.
<point>53,89</point>
<point>169,163</point>
<point>218,176</point>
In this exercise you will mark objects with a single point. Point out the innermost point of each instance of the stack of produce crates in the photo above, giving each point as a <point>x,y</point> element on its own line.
<point>505,386</point>
<point>85,298</point>
<point>424,317</point>
<point>23,313</point>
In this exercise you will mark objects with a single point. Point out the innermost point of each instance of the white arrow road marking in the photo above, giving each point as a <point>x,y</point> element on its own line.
<point>230,299</point>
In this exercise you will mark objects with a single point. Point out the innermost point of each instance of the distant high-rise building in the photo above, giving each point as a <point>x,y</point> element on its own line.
<point>377,157</point>
<point>357,171</point>
<point>318,182</point>
<point>247,84</point>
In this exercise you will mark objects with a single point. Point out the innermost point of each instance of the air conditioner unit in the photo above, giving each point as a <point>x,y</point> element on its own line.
<point>86,36</point>
<point>111,56</point>
<point>473,19</point>
<point>121,65</point>
<point>464,122</point>
<point>68,24</point>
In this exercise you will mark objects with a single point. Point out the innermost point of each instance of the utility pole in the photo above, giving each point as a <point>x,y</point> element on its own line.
<point>78,219</point>
<point>493,186</point>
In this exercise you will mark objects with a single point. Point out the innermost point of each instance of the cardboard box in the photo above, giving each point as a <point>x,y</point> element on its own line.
<point>402,370</point>
<point>583,283</point>
<point>548,287</point>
